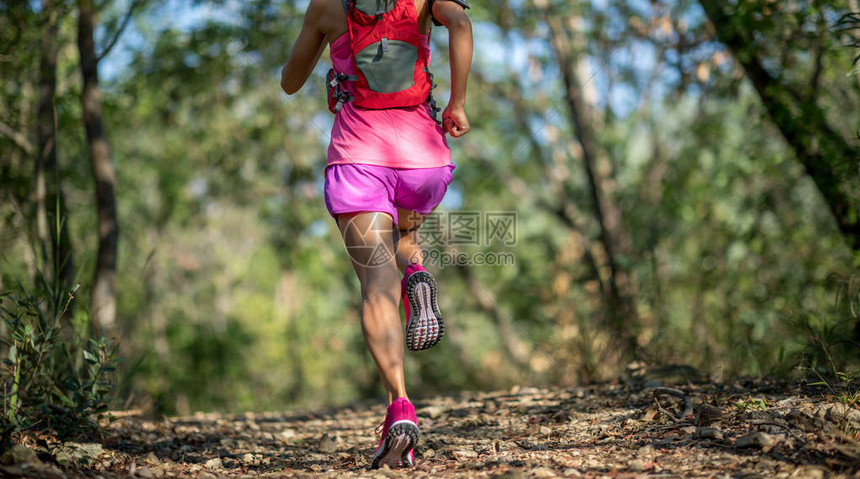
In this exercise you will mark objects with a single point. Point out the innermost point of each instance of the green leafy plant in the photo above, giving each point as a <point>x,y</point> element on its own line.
<point>828,353</point>
<point>54,380</point>
<point>751,404</point>
<point>845,389</point>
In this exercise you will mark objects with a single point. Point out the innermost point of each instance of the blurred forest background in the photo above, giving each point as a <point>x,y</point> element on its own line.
<point>685,174</point>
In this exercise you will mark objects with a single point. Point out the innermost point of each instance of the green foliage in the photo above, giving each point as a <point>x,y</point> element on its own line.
<point>844,389</point>
<point>55,380</point>
<point>828,355</point>
<point>751,404</point>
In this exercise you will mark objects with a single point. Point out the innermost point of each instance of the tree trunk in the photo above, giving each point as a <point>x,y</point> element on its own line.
<point>828,158</point>
<point>621,296</point>
<point>54,242</point>
<point>46,134</point>
<point>104,283</point>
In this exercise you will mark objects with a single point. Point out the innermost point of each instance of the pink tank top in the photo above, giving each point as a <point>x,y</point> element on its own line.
<point>395,137</point>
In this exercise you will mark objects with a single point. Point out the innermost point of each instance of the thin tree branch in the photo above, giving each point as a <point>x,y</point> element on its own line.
<point>688,404</point>
<point>815,80</point>
<point>135,4</point>
<point>18,138</point>
<point>516,350</point>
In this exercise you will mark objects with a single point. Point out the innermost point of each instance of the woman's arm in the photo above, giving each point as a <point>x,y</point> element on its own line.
<point>307,49</point>
<point>454,18</point>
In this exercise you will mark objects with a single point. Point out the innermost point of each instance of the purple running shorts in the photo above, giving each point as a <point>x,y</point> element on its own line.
<point>352,188</point>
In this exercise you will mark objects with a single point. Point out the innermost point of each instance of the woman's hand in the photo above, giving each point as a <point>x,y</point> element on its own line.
<point>454,18</point>
<point>454,121</point>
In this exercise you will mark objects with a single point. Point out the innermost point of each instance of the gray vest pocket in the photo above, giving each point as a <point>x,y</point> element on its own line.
<point>388,65</point>
<point>374,7</point>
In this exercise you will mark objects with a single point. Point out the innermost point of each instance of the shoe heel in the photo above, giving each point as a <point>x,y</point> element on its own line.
<point>401,438</point>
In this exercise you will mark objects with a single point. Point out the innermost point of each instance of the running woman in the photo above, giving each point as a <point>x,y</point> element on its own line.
<point>388,167</point>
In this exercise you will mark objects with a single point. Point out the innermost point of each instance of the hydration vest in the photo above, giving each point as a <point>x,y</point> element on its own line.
<point>391,65</point>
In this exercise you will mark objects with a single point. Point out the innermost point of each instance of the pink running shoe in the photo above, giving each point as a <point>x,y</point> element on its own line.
<point>424,326</point>
<point>399,436</point>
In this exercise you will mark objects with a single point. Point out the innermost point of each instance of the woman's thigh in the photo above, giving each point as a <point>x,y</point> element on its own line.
<point>369,240</point>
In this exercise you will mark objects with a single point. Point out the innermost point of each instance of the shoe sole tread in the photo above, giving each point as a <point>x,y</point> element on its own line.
<point>400,439</point>
<point>425,327</point>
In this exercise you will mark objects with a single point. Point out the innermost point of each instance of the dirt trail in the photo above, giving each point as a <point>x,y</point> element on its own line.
<point>752,429</point>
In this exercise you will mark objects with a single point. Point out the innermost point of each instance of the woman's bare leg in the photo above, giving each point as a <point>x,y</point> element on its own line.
<point>408,250</point>
<point>369,239</point>
<point>424,324</point>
